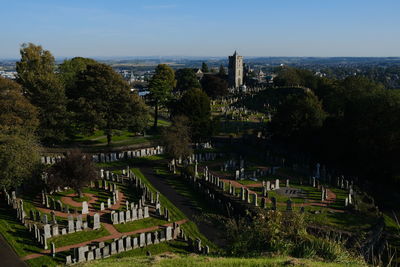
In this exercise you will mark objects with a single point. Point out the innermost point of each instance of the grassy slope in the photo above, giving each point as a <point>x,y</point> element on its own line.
<point>194,260</point>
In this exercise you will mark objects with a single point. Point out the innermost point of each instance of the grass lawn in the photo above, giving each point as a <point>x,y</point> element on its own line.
<point>19,238</point>
<point>173,260</point>
<point>139,224</point>
<point>78,237</point>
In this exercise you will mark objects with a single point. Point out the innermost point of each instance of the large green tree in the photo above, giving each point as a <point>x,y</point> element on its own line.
<point>36,73</point>
<point>18,115</point>
<point>160,86</point>
<point>176,138</point>
<point>195,104</point>
<point>214,85</point>
<point>19,151</point>
<point>19,158</point>
<point>105,102</point>
<point>186,79</point>
<point>298,116</point>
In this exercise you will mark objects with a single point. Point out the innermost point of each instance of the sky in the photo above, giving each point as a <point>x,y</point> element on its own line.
<point>265,28</point>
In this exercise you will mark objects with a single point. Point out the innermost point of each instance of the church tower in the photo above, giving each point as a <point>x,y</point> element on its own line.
<point>235,71</point>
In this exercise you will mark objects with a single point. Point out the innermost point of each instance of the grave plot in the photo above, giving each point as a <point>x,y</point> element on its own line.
<point>273,186</point>
<point>119,206</point>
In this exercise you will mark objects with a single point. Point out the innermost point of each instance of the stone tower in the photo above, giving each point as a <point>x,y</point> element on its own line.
<point>235,70</point>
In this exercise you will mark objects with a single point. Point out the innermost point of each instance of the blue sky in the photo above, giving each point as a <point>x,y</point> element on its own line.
<point>202,28</point>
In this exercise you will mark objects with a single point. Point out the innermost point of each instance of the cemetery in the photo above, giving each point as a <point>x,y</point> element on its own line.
<point>218,180</point>
<point>121,211</point>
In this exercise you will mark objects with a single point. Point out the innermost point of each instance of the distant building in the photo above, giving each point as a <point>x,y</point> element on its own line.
<point>235,70</point>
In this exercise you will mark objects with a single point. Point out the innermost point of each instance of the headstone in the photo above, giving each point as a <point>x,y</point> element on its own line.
<point>85,208</point>
<point>97,254</point>
<point>128,243</point>
<point>113,248</point>
<point>120,245</point>
<point>71,225</point>
<point>96,221</point>
<point>121,217</point>
<point>168,233</point>
<point>47,230</point>
<point>149,241</point>
<point>102,206</point>
<point>142,240</point>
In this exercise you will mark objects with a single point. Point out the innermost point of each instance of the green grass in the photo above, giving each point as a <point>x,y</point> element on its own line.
<point>173,260</point>
<point>78,237</point>
<point>19,238</point>
<point>139,224</point>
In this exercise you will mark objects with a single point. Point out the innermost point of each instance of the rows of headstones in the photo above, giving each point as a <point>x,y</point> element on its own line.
<point>244,195</point>
<point>103,250</point>
<point>42,228</point>
<point>113,156</point>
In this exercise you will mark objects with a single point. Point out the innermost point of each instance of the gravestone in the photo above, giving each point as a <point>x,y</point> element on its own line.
<point>121,217</point>
<point>168,233</point>
<point>113,248</point>
<point>142,240</point>
<point>71,225</point>
<point>96,221</point>
<point>149,240</point>
<point>128,243</point>
<point>85,208</point>
<point>120,245</point>
<point>106,251</point>
<point>135,242</point>
<point>108,203</point>
<point>134,214</point>
<point>146,212</point>
<point>102,206</point>
<point>47,231</point>
<point>97,253</point>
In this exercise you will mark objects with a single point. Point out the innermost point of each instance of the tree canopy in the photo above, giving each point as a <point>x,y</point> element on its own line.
<point>45,90</point>
<point>160,87</point>
<point>18,114</point>
<point>176,138</point>
<point>105,102</point>
<point>214,85</point>
<point>76,170</point>
<point>19,159</point>
<point>195,105</point>
<point>186,79</point>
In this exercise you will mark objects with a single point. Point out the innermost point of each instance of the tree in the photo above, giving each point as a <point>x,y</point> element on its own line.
<point>160,87</point>
<point>44,89</point>
<point>104,102</point>
<point>298,116</point>
<point>204,67</point>
<point>139,114</point>
<point>76,170</point>
<point>69,71</point>
<point>222,72</point>
<point>186,79</point>
<point>19,159</point>
<point>18,115</point>
<point>214,86</point>
<point>195,105</point>
<point>176,138</point>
